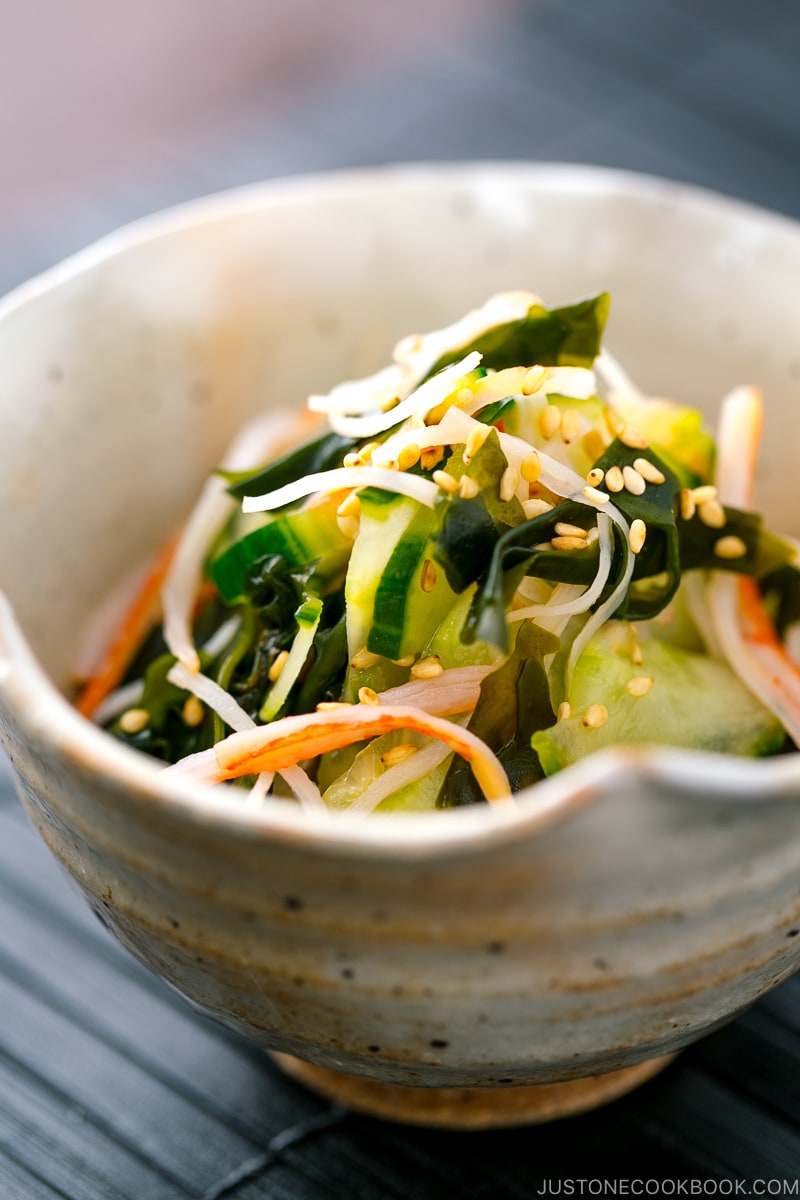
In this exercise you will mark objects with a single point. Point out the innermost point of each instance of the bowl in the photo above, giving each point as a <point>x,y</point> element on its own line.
<point>467,967</point>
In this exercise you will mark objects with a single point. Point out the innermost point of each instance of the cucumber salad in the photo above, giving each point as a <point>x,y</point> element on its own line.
<point>437,585</point>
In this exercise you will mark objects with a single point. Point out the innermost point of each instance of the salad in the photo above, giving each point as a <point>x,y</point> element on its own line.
<point>441,583</point>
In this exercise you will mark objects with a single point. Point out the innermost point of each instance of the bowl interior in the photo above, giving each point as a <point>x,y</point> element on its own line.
<point>124,372</point>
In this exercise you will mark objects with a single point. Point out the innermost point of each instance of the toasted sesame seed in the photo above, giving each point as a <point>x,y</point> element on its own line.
<point>595,476</point>
<point>533,380</point>
<point>648,470</point>
<point>639,685</point>
<point>331,705</point>
<point>193,712</point>
<point>427,579</point>
<point>594,443</point>
<point>509,481</point>
<point>595,716</point>
<point>564,711</point>
<point>549,421</point>
<point>475,439</point>
<point>632,437</point>
<point>363,659</point>
<point>633,481</point>
<point>353,459</point>
<point>389,404</point>
<point>531,467</point>
<point>592,536</point>
<point>349,526</point>
<point>468,487</point>
<point>571,425</point>
<point>636,535</point>
<point>350,506</point>
<point>535,507</point>
<point>614,479</point>
<point>408,456</point>
<point>613,421</point>
<point>637,658</point>
<point>730,547</point>
<point>368,695</point>
<point>134,720</point>
<point>568,543</point>
<point>278,663</point>
<point>688,506</point>
<point>563,527</point>
<point>445,481</point>
<point>430,457</point>
<point>712,514</point>
<point>367,451</point>
<point>427,668</point>
<point>704,493</point>
<point>398,754</point>
<point>406,661</point>
<point>595,495</point>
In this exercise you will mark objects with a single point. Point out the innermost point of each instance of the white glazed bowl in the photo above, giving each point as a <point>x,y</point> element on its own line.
<point>628,905</point>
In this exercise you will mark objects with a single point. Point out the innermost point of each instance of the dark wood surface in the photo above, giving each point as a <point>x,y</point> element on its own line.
<point>111,1087</point>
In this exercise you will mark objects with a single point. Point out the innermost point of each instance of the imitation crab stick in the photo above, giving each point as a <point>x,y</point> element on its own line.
<point>285,742</point>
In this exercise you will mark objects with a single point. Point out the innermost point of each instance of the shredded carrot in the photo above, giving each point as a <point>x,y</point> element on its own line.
<point>140,617</point>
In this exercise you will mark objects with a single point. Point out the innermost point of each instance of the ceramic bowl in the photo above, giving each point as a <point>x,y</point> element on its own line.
<point>628,905</point>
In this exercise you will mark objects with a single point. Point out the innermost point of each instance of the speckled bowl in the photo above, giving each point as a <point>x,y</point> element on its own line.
<point>628,905</point>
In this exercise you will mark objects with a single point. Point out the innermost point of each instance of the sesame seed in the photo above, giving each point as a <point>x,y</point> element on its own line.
<point>639,685</point>
<point>278,663</point>
<point>592,536</point>
<point>349,526</point>
<point>632,437</point>
<point>535,507</point>
<point>704,493</point>
<point>509,481</point>
<point>353,460</point>
<point>445,481</point>
<point>595,476</point>
<point>389,404</point>
<point>613,421</point>
<point>367,451</point>
<point>427,579</point>
<point>406,661</point>
<point>730,547</point>
<point>594,443</point>
<point>350,506</point>
<point>368,695</point>
<point>687,504</point>
<point>531,467</point>
<point>467,488</point>
<point>408,456</point>
<point>564,711</point>
<point>648,470</point>
<point>568,543</point>
<point>549,421</point>
<point>430,457</point>
<point>568,530</point>
<point>595,716</point>
<point>595,495</point>
<point>712,514</point>
<point>427,668</point>
<point>637,658</point>
<point>331,705</point>
<point>636,535</point>
<point>193,712</point>
<point>533,380</point>
<point>363,659</point>
<point>571,425</point>
<point>134,720</point>
<point>398,754</point>
<point>633,481</point>
<point>475,439</point>
<point>614,479</point>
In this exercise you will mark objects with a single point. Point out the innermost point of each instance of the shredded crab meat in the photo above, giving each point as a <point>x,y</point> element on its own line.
<point>283,743</point>
<point>740,621</point>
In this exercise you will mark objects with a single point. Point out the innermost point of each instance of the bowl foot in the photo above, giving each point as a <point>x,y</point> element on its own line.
<point>469,1108</point>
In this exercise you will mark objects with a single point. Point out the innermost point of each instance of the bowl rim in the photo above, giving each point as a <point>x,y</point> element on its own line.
<point>51,723</point>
